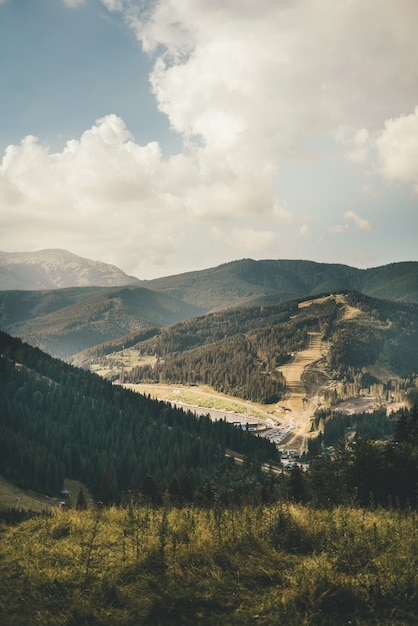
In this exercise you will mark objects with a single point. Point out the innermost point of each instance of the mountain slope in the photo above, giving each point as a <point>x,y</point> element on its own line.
<point>58,421</point>
<point>65,321</point>
<point>56,269</point>
<point>248,281</point>
<point>359,341</point>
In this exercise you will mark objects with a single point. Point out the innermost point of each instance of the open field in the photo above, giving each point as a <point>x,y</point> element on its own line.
<point>12,497</point>
<point>203,399</point>
<point>113,365</point>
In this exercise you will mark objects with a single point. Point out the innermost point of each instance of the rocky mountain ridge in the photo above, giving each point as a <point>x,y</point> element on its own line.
<point>57,269</point>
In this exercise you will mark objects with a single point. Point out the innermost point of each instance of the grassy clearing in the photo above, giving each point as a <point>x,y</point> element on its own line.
<point>201,397</point>
<point>113,365</point>
<point>269,565</point>
<point>12,497</point>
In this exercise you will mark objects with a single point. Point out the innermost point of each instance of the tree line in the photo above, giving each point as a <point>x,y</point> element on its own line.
<point>58,421</point>
<point>237,352</point>
<point>365,472</point>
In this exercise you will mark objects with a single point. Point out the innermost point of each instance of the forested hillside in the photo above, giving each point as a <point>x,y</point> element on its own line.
<point>65,321</point>
<point>238,351</point>
<point>59,421</point>
<point>248,281</point>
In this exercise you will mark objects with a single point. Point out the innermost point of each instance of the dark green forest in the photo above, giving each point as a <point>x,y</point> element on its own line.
<point>386,330</point>
<point>237,352</point>
<point>59,421</point>
<point>239,282</point>
<point>366,472</point>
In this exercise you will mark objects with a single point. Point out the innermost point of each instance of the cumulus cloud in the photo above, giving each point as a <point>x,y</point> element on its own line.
<point>336,229</point>
<point>103,167</point>
<point>101,188</point>
<point>246,85</point>
<point>105,183</point>
<point>397,147</point>
<point>360,222</point>
<point>115,5</point>
<point>256,79</point>
<point>392,152</point>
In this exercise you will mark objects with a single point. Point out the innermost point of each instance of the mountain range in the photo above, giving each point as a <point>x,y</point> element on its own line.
<point>65,304</point>
<point>259,282</point>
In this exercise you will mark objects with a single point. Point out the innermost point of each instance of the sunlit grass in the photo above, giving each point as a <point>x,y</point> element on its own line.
<point>279,564</point>
<point>206,398</point>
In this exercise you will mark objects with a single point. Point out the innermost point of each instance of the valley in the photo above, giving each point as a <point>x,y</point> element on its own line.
<point>67,305</point>
<point>288,423</point>
<point>239,342</point>
<point>190,516</point>
<point>289,419</point>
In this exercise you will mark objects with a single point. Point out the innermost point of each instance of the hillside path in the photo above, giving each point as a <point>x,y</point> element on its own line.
<point>299,408</point>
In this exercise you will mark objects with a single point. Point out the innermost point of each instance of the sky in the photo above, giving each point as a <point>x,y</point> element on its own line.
<point>165,136</point>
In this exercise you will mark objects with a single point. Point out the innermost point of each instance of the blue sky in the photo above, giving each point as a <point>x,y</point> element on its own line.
<point>170,136</point>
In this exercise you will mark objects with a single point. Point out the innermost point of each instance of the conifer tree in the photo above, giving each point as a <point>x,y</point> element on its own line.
<point>105,491</point>
<point>81,501</point>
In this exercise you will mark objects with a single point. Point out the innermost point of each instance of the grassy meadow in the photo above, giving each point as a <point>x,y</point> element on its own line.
<point>261,565</point>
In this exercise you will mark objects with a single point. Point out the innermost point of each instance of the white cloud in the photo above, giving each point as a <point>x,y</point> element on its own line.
<point>397,147</point>
<point>247,85</point>
<point>115,5</point>
<point>369,191</point>
<point>107,186</point>
<point>392,152</point>
<point>337,229</point>
<point>256,79</point>
<point>101,190</point>
<point>360,222</point>
<point>103,168</point>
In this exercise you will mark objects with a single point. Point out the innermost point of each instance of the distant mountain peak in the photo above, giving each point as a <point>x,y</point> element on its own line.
<point>55,268</point>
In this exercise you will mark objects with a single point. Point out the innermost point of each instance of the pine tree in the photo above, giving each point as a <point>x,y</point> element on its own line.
<point>81,501</point>
<point>105,491</point>
<point>149,490</point>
